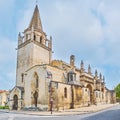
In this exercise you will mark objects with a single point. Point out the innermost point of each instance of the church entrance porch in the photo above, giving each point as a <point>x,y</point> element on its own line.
<point>15,102</point>
<point>90,93</point>
<point>35,98</point>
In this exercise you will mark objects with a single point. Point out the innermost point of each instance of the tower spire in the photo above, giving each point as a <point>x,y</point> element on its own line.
<point>36,21</point>
<point>96,73</point>
<point>36,2</point>
<point>89,69</point>
<point>82,66</point>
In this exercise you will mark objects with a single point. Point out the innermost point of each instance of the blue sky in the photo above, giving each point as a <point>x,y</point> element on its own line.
<point>89,29</point>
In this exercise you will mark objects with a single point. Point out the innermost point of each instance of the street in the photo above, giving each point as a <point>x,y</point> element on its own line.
<point>112,113</point>
<point>109,114</point>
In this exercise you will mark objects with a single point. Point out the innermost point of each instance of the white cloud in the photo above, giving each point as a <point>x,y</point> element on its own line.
<point>93,37</point>
<point>76,30</point>
<point>6,6</point>
<point>24,21</point>
<point>7,50</point>
<point>7,62</point>
<point>25,16</point>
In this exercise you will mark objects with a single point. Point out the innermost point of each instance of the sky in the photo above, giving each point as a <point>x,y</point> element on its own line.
<point>88,29</point>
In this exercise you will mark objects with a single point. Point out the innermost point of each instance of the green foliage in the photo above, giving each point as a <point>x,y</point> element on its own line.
<point>4,107</point>
<point>117,90</point>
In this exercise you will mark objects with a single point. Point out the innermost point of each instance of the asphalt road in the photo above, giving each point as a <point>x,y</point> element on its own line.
<point>109,114</point>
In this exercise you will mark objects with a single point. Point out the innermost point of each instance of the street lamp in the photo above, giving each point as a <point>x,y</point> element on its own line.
<point>51,98</point>
<point>51,104</point>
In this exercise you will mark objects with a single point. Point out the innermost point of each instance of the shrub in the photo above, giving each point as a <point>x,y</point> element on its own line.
<point>4,107</point>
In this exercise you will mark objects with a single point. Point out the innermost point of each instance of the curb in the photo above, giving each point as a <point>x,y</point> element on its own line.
<point>60,113</point>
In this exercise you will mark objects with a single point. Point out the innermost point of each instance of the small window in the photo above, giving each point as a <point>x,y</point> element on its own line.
<point>96,94</point>
<point>65,92</point>
<point>22,76</point>
<point>41,39</point>
<point>34,37</point>
<point>22,94</point>
<point>71,77</point>
<point>27,37</point>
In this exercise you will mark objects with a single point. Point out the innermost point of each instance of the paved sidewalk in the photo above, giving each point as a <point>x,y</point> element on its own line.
<point>82,110</point>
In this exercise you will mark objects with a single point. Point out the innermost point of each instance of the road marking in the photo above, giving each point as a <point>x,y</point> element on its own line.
<point>10,118</point>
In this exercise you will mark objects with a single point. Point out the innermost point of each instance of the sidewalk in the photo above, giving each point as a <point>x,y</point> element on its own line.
<point>82,110</point>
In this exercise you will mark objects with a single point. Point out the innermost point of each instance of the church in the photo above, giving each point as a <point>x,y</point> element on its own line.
<point>42,82</point>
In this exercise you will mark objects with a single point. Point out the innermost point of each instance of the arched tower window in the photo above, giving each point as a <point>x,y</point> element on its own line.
<point>65,92</point>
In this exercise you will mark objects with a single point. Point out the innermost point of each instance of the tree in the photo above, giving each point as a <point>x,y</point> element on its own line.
<point>117,90</point>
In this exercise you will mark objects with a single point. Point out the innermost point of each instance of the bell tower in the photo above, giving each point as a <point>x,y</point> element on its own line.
<point>33,47</point>
<point>72,60</point>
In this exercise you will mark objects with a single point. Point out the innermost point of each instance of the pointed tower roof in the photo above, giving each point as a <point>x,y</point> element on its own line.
<point>103,79</point>
<point>100,76</point>
<point>82,64</point>
<point>89,69</point>
<point>96,73</point>
<point>36,21</point>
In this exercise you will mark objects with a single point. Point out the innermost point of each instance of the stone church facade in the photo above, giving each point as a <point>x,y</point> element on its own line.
<point>41,81</point>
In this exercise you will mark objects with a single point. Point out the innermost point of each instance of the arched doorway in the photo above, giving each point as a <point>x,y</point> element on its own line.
<point>90,93</point>
<point>15,102</point>
<point>35,98</point>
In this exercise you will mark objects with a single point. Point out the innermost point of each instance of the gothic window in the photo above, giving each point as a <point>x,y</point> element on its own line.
<point>65,92</point>
<point>36,78</point>
<point>37,82</point>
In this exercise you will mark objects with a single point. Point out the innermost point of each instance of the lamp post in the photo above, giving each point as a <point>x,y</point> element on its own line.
<point>51,104</point>
<point>72,102</point>
<point>51,98</point>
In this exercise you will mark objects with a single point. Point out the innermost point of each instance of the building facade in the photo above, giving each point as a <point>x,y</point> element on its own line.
<point>4,95</point>
<point>42,81</point>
